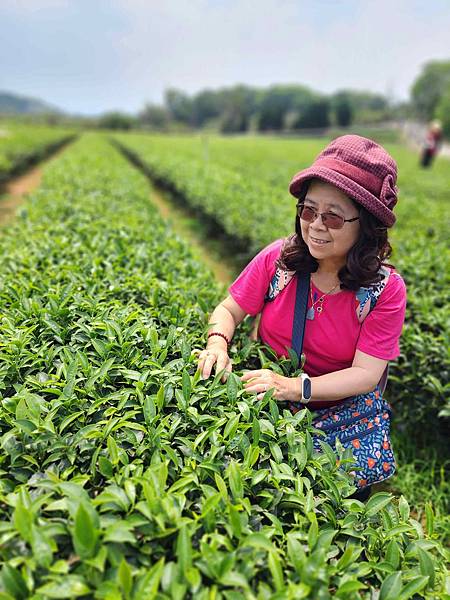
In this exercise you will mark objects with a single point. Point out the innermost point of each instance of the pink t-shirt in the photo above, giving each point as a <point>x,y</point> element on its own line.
<point>334,335</point>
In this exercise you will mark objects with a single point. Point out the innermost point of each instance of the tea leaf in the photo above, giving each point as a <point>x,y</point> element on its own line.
<point>125,578</point>
<point>147,586</point>
<point>187,387</point>
<point>71,586</point>
<point>23,519</point>
<point>413,587</point>
<point>184,549</point>
<point>275,570</point>
<point>13,582</point>
<point>377,502</point>
<point>393,554</point>
<point>426,565</point>
<point>233,385</point>
<point>84,534</point>
<point>391,587</point>
<point>403,508</point>
<point>235,479</point>
<point>429,515</point>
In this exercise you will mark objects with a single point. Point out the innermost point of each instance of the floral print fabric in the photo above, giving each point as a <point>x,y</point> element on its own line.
<point>363,424</point>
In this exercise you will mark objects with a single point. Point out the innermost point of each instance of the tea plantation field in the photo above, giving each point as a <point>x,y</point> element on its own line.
<point>241,183</point>
<point>22,145</point>
<point>125,476</point>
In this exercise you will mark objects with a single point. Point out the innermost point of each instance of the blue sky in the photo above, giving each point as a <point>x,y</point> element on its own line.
<point>92,56</point>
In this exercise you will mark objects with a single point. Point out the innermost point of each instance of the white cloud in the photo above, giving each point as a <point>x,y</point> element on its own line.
<point>376,45</point>
<point>124,52</point>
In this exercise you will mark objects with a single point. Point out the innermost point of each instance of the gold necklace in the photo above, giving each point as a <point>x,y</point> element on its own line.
<point>311,310</point>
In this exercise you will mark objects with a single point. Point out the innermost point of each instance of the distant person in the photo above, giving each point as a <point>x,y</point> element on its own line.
<point>432,144</point>
<point>354,303</point>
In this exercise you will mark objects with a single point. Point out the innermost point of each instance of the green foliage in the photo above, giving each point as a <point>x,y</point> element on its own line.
<point>276,108</point>
<point>430,86</point>
<point>123,474</point>
<point>315,115</point>
<point>278,102</point>
<point>116,120</point>
<point>154,117</point>
<point>360,107</point>
<point>22,145</point>
<point>443,111</point>
<point>343,109</point>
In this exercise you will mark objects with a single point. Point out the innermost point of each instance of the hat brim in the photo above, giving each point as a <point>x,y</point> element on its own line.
<point>350,188</point>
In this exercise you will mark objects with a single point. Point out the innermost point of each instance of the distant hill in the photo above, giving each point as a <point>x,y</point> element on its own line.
<point>13,104</point>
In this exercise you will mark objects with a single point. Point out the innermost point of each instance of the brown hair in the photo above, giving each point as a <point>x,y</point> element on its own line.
<point>364,259</point>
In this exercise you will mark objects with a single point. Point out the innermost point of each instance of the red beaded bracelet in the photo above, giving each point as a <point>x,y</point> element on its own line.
<point>222,335</point>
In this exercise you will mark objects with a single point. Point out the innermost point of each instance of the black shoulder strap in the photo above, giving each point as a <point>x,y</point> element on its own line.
<point>301,305</point>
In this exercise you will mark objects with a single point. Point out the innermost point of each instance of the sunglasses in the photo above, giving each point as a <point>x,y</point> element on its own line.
<point>329,219</point>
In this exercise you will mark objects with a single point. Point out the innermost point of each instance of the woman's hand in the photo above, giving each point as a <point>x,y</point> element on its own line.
<point>214,354</point>
<point>262,380</point>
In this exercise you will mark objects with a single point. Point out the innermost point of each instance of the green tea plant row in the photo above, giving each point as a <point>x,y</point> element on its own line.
<point>242,183</point>
<point>22,145</point>
<point>123,475</point>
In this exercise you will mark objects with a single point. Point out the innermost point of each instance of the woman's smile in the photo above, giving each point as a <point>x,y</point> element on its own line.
<point>317,241</point>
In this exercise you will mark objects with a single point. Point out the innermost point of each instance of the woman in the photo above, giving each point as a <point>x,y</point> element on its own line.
<point>345,202</point>
<point>432,144</point>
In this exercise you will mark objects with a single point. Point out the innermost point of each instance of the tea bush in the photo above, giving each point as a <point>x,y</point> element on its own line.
<point>241,183</point>
<point>125,476</point>
<point>22,145</point>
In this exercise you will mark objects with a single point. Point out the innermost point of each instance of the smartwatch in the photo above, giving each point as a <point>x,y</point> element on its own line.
<point>305,387</point>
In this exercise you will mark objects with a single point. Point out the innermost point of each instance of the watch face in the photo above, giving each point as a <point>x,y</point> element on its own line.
<point>307,389</point>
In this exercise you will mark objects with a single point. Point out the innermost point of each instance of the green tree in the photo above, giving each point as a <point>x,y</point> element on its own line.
<point>155,117</point>
<point>314,115</point>
<point>443,112</point>
<point>116,120</point>
<point>239,104</point>
<point>281,104</point>
<point>366,107</point>
<point>178,106</point>
<point>206,105</point>
<point>343,109</point>
<point>429,87</point>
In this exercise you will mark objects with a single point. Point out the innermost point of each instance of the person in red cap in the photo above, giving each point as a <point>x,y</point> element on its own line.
<point>345,204</point>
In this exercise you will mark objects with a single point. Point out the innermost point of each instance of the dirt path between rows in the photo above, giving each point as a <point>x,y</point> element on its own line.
<point>209,244</point>
<point>187,226</point>
<point>14,191</point>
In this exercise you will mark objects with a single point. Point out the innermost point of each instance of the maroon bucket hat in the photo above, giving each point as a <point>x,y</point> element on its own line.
<point>360,168</point>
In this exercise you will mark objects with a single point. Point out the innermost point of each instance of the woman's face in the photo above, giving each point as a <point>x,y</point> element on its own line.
<point>329,246</point>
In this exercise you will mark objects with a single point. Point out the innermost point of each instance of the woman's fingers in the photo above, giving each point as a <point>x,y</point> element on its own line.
<point>223,363</point>
<point>228,369</point>
<point>208,364</point>
<point>252,374</point>
<point>209,358</point>
<point>259,387</point>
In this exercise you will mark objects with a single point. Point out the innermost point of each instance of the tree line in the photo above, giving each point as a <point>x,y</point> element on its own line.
<point>241,108</point>
<point>285,108</point>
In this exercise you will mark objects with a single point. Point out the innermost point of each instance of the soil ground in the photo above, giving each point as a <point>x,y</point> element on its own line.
<point>14,192</point>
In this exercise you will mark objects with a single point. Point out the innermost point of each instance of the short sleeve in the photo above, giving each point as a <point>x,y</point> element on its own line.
<point>250,287</point>
<point>381,329</point>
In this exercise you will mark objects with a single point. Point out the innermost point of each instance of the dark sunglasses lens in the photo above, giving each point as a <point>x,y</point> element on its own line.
<point>306,213</point>
<point>332,221</point>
